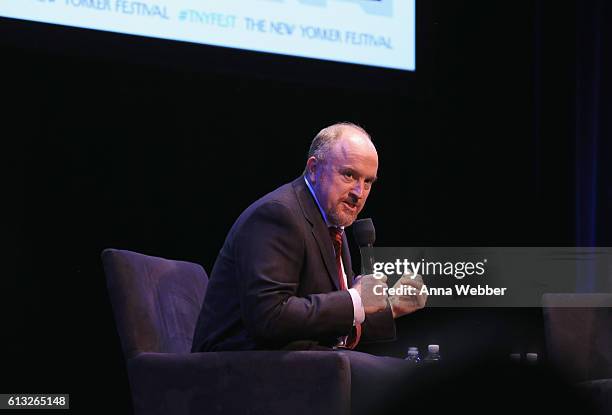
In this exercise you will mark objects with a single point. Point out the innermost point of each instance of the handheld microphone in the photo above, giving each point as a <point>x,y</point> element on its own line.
<point>365,235</point>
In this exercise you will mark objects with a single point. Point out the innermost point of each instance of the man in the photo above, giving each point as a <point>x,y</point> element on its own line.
<point>283,279</point>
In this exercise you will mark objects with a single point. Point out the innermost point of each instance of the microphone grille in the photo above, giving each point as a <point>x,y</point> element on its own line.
<point>364,232</point>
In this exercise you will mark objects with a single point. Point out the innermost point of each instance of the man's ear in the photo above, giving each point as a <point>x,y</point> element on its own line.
<point>311,169</point>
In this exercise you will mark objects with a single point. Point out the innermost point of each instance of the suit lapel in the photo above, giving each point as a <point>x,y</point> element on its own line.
<point>319,229</point>
<point>327,251</point>
<point>346,260</point>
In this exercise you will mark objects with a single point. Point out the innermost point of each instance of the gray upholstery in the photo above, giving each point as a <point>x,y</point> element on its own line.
<point>156,301</point>
<point>599,393</point>
<point>156,304</point>
<point>578,329</point>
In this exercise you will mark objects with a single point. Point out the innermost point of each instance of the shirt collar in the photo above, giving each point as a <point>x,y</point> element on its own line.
<point>318,204</point>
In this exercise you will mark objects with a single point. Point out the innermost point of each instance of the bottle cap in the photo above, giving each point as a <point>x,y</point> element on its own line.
<point>515,357</point>
<point>413,349</point>
<point>531,357</point>
<point>433,348</point>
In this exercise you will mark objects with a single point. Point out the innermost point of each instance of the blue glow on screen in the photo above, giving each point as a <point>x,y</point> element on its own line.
<point>368,32</point>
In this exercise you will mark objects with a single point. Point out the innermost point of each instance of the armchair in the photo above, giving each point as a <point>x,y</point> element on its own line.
<point>578,329</point>
<point>156,303</point>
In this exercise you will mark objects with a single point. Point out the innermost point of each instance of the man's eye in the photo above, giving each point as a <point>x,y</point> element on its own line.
<point>348,174</point>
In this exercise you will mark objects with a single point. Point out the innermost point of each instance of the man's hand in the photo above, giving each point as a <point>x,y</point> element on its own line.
<point>410,302</point>
<point>373,292</point>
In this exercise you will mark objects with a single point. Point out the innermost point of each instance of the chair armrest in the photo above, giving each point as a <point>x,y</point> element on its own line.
<point>578,335</point>
<point>599,394</point>
<point>254,382</point>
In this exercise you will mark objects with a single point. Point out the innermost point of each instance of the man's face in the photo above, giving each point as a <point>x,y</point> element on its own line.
<point>342,182</point>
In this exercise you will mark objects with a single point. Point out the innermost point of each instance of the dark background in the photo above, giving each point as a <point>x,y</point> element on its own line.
<point>505,141</point>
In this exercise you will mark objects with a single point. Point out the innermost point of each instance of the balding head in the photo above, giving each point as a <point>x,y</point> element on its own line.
<point>341,167</point>
<point>325,139</point>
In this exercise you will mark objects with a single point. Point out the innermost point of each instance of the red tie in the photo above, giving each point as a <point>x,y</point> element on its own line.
<point>336,236</point>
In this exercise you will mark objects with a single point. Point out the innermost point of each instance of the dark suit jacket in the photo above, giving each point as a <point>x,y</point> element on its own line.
<point>275,283</point>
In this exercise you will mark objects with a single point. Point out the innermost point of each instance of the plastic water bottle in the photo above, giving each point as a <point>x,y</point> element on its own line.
<point>433,354</point>
<point>531,358</point>
<point>413,355</point>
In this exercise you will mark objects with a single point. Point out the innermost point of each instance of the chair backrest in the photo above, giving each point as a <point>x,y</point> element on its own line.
<point>156,301</point>
<point>578,330</point>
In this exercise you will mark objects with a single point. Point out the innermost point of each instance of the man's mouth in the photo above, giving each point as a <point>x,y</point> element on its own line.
<point>351,206</point>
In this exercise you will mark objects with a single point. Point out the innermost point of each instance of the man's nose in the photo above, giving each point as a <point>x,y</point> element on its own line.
<point>358,188</point>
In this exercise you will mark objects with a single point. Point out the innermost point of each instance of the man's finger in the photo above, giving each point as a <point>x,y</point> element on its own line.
<point>410,275</point>
<point>409,282</point>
